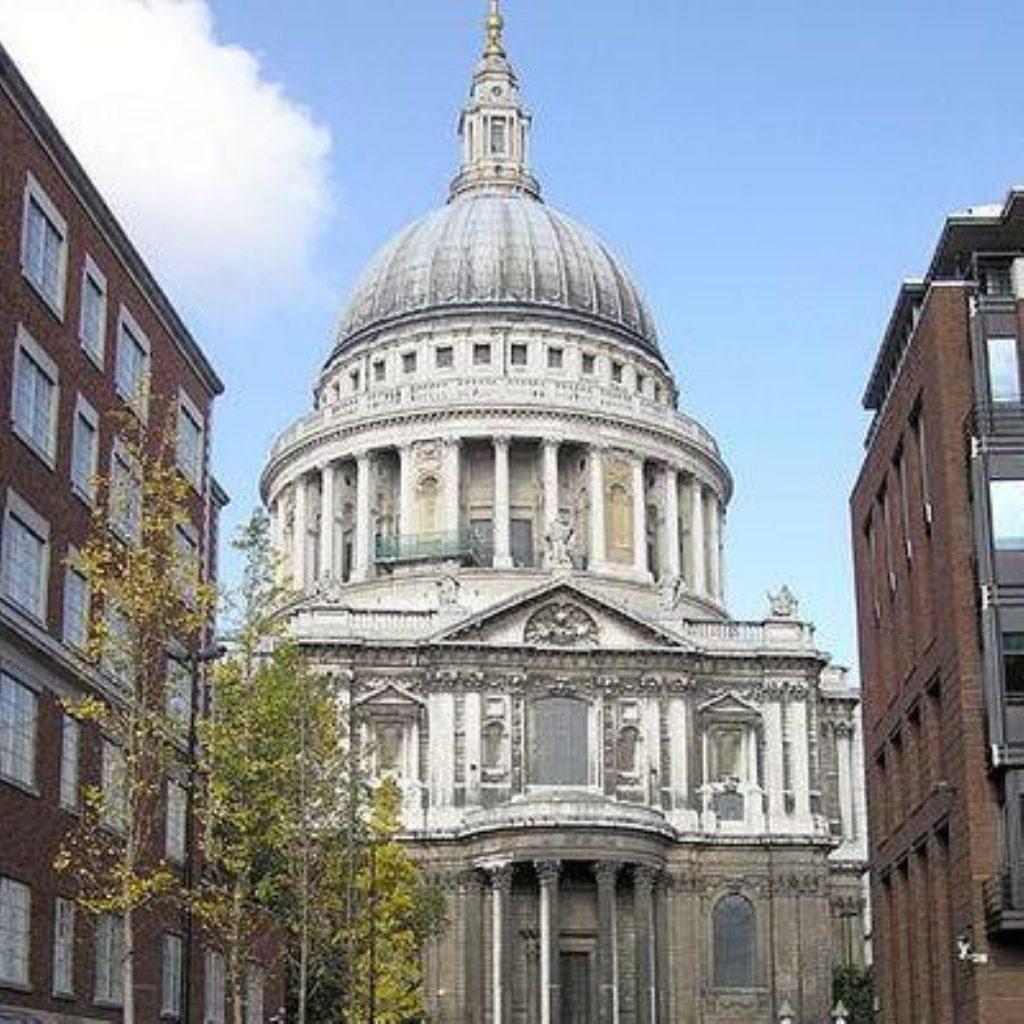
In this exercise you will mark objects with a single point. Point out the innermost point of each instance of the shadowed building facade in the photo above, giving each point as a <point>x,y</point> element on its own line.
<point>509,542</point>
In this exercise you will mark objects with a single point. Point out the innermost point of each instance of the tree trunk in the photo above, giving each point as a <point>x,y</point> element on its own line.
<point>128,967</point>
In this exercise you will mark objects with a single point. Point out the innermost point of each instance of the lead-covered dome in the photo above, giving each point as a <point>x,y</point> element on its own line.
<point>495,249</point>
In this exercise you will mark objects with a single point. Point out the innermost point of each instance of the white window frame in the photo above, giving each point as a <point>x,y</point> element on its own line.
<point>108,956</point>
<point>171,975</point>
<point>74,627</point>
<point>16,508</point>
<point>85,413</point>
<point>70,762</point>
<point>138,397</point>
<point>15,932</point>
<point>114,809</point>
<point>125,519</point>
<point>63,981</point>
<point>34,193</point>
<point>26,347</point>
<point>214,988</point>
<point>94,348</point>
<point>187,409</point>
<point>19,738</point>
<point>176,811</point>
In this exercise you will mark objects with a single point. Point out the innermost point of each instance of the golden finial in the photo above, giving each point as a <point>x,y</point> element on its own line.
<point>495,23</point>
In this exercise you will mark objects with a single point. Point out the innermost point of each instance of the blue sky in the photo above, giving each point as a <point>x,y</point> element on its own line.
<point>769,171</point>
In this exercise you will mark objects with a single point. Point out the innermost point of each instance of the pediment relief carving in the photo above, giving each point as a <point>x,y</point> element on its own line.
<point>561,624</point>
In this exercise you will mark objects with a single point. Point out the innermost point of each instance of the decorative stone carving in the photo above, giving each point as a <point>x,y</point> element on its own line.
<point>559,542</point>
<point>783,605</point>
<point>448,591</point>
<point>561,625</point>
<point>670,591</point>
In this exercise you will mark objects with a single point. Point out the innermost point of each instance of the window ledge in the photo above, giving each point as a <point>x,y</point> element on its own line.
<point>15,986</point>
<point>56,308</point>
<point>49,459</point>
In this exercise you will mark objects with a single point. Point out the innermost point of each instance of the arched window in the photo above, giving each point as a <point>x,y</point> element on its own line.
<point>626,750</point>
<point>558,748</point>
<point>734,942</point>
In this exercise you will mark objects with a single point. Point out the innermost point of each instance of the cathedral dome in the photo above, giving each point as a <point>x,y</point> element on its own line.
<point>497,249</point>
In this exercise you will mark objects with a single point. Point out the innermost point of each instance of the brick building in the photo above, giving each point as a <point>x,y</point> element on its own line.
<point>938,534</point>
<point>82,324</point>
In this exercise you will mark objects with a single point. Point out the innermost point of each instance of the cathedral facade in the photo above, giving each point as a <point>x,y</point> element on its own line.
<point>508,542</point>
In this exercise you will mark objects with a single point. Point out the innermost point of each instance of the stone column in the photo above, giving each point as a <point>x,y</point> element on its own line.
<point>643,910</point>
<point>363,553</point>
<point>714,546</point>
<point>607,943</point>
<point>640,566</point>
<point>300,534</point>
<point>501,943</point>
<point>597,535</point>
<point>452,484</point>
<point>502,546</point>
<point>550,475</point>
<point>699,582</point>
<point>843,748</point>
<point>473,965</point>
<point>277,534</point>
<point>328,474</point>
<point>672,561</point>
<point>406,495</point>
<point>550,986</point>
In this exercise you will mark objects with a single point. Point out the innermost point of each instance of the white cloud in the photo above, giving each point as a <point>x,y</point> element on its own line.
<point>220,179</point>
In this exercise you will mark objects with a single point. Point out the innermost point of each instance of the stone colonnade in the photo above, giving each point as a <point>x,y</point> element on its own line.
<point>696,558</point>
<point>608,984</point>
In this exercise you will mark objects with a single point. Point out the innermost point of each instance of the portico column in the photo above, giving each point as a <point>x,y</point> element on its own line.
<point>643,910</point>
<point>550,474</point>
<point>361,568</point>
<point>300,534</point>
<point>550,987</point>
<point>501,944</point>
<point>699,582</point>
<point>473,962</point>
<point>452,455</point>
<point>672,561</point>
<point>607,943</point>
<point>406,497</point>
<point>502,549</point>
<point>327,479</point>
<point>597,537</point>
<point>639,519</point>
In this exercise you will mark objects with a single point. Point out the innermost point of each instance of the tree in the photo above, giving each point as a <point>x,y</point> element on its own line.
<point>398,912</point>
<point>143,571</point>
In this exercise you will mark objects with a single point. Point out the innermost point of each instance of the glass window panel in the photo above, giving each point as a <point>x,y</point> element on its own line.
<point>15,919</point>
<point>1003,370</point>
<point>63,947</point>
<point>734,942</point>
<point>18,717</point>
<point>1007,498</point>
<point>170,996</point>
<point>70,741</point>
<point>24,565</point>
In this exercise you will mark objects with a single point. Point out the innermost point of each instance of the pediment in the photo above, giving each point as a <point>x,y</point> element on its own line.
<point>392,697</point>
<point>560,615</point>
<point>729,705</point>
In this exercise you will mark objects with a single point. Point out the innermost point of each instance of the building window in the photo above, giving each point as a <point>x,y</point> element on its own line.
<point>617,372</point>
<point>921,443</point>
<point>214,989</point>
<point>1003,370</point>
<point>85,450</point>
<point>388,747</point>
<point>379,370</point>
<point>498,136</point>
<point>444,357</point>
<point>626,749</point>
<point>113,791</point>
<point>63,947</point>
<point>1007,499</point>
<point>190,441</point>
<point>170,984</point>
<point>18,717</point>
<point>254,984</point>
<point>178,692</point>
<point>109,958</point>
<point>641,380</point>
<point>734,941</point>
<point>26,557</point>
<point>34,397</point>
<point>125,495</point>
<point>44,251</point>
<point>1013,664</point>
<point>70,745</point>
<point>482,354</point>
<point>15,921</point>
<point>408,362</point>
<point>589,362</point>
<point>727,753</point>
<point>493,747</point>
<point>187,555</point>
<point>92,321</point>
<point>132,365</point>
<point>555,358</point>
<point>353,380</point>
<point>76,607</point>
<point>118,657</point>
<point>517,354</point>
<point>175,822</point>
<point>559,754</point>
